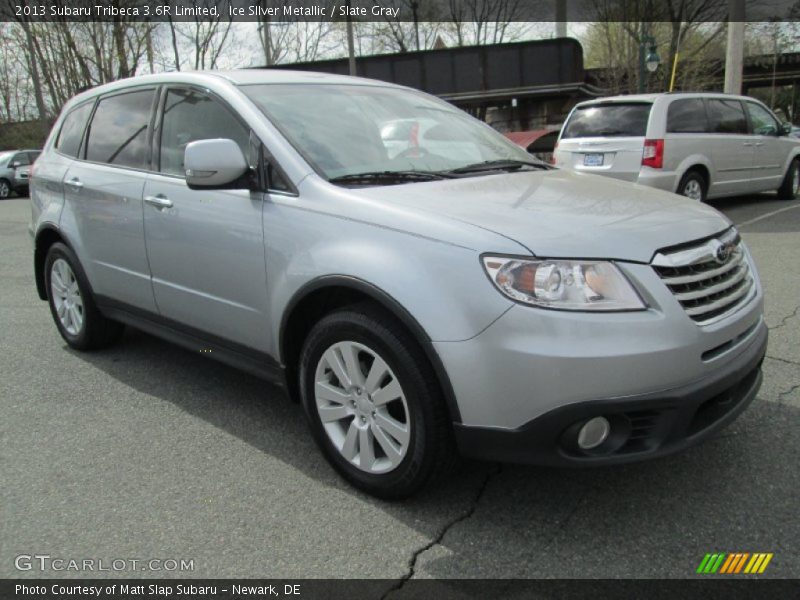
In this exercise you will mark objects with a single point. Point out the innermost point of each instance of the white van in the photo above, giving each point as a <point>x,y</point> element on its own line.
<point>698,145</point>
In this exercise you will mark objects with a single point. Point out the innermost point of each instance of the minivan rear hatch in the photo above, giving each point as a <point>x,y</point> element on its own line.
<point>606,138</point>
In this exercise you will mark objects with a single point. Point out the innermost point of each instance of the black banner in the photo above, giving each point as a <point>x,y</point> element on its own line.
<point>730,588</point>
<point>383,10</point>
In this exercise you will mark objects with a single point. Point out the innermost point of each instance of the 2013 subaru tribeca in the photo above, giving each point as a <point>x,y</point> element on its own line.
<point>416,302</point>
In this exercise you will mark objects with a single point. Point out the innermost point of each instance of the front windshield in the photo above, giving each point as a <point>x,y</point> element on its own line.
<point>350,129</point>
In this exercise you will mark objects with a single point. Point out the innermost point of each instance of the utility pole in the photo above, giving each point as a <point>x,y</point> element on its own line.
<point>561,18</point>
<point>734,54</point>
<point>351,52</point>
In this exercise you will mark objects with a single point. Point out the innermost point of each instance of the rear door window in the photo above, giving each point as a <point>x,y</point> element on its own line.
<point>118,133</point>
<point>71,134</point>
<point>726,116</point>
<point>687,115</point>
<point>608,120</point>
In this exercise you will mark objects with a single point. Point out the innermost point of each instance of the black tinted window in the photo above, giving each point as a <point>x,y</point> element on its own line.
<point>21,159</point>
<point>33,156</point>
<point>606,120</point>
<point>726,116</point>
<point>190,116</point>
<point>71,134</point>
<point>687,115</point>
<point>118,132</point>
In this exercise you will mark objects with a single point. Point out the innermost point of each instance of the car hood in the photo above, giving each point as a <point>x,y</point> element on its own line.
<point>561,214</point>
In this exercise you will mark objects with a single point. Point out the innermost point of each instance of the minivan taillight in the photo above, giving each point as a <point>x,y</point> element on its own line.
<point>653,155</point>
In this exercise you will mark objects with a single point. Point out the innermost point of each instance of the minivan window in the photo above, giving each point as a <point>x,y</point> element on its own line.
<point>189,116</point>
<point>726,116</point>
<point>71,134</point>
<point>687,115</point>
<point>608,120</point>
<point>761,120</point>
<point>338,128</point>
<point>21,159</point>
<point>118,132</point>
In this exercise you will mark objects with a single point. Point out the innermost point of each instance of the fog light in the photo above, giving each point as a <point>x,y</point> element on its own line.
<point>593,433</point>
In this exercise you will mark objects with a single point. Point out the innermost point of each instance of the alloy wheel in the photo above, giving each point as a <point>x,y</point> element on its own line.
<point>362,407</point>
<point>5,190</point>
<point>796,179</point>
<point>66,296</point>
<point>693,190</point>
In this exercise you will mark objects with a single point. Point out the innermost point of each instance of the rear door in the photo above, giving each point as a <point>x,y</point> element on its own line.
<point>732,147</point>
<point>770,153</point>
<point>606,138</point>
<point>103,197</point>
<point>206,247</point>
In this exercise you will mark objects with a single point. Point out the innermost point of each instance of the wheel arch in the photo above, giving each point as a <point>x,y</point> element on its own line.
<point>330,292</point>
<point>45,238</point>
<point>698,166</point>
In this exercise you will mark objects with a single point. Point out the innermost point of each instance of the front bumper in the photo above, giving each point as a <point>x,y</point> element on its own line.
<point>642,426</point>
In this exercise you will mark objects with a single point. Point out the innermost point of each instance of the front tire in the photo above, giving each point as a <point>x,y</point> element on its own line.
<point>74,311</point>
<point>693,185</point>
<point>5,189</point>
<point>374,404</point>
<point>791,182</point>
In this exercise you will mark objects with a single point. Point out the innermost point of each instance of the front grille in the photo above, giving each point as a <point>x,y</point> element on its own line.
<point>709,280</point>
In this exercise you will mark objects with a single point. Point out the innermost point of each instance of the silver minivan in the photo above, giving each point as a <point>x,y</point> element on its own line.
<point>418,301</point>
<point>700,145</point>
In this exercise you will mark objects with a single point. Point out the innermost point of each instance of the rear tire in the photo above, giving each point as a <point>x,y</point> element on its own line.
<point>791,182</point>
<point>385,429</point>
<point>74,311</point>
<point>693,185</point>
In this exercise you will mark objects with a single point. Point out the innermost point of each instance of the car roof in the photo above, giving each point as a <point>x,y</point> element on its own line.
<point>651,98</point>
<point>235,77</point>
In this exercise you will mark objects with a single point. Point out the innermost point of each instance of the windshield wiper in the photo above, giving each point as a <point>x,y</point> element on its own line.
<point>388,177</point>
<point>502,164</point>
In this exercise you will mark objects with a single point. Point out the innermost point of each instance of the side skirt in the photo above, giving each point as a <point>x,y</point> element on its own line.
<point>247,359</point>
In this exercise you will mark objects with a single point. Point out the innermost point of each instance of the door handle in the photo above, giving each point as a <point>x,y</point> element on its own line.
<point>160,201</point>
<point>75,183</point>
<point>747,143</point>
<point>759,143</point>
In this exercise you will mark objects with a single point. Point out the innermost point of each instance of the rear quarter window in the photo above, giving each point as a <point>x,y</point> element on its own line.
<point>687,115</point>
<point>608,120</point>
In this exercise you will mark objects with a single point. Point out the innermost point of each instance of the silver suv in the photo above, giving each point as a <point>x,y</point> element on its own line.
<point>698,145</point>
<point>14,169</point>
<point>416,302</point>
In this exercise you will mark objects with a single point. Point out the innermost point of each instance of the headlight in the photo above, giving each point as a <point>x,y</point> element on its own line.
<point>563,284</point>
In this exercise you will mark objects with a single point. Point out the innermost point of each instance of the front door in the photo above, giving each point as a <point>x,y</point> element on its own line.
<point>206,248</point>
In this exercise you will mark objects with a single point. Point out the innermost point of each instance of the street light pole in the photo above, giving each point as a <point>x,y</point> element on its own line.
<point>649,63</point>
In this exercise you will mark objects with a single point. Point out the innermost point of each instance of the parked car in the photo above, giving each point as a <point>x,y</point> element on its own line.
<point>10,163</point>
<point>539,142</point>
<point>415,304</point>
<point>700,145</point>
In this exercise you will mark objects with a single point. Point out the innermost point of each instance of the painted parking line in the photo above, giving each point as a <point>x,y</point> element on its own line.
<point>767,215</point>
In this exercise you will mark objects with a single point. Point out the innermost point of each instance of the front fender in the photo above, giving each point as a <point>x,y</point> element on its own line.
<point>441,285</point>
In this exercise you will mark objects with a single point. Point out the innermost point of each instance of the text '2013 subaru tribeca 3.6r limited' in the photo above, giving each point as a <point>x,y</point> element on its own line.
<point>416,302</point>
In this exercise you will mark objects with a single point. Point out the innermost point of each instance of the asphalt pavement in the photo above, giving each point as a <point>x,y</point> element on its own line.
<point>149,451</point>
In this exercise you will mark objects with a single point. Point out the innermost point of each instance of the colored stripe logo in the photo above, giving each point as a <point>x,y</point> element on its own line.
<point>734,562</point>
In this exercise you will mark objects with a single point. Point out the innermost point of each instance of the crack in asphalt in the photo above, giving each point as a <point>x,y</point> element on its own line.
<point>783,360</point>
<point>787,392</point>
<point>412,563</point>
<point>786,319</point>
<point>563,525</point>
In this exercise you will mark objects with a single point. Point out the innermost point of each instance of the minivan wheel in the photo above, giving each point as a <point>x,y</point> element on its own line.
<point>373,403</point>
<point>693,185</point>
<point>5,189</point>
<point>76,316</point>
<point>791,182</point>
